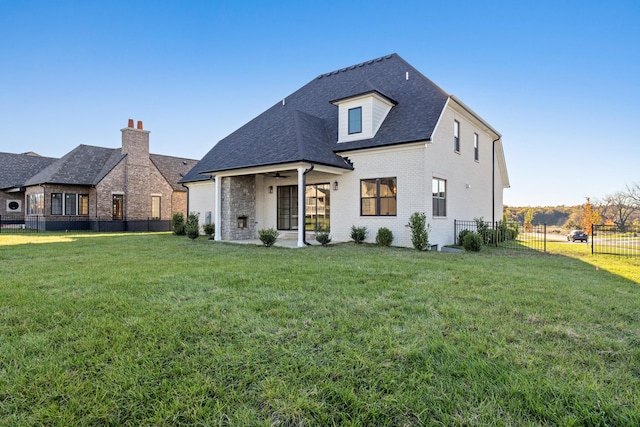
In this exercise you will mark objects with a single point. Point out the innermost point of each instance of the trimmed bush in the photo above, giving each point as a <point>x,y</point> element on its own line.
<point>384,237</point>
<point>461,236</point>
<point>358,234</point>
<point>209,230</point>
<point>192,226</point>
<point>177,224</point>
<point>268,236</point>
<point>472,242</point>
<point>419,230</point>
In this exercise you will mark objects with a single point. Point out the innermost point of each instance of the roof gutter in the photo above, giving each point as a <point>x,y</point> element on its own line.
<point>304,184</point>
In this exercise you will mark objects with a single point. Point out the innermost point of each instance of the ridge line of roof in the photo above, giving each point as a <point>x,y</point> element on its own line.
<point>353,67</point>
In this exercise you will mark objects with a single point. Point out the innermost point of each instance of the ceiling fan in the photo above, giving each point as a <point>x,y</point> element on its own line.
<point>278,176</point>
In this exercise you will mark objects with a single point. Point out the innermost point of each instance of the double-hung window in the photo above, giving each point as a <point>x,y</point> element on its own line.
<point>456,136</point>
<point>155,207</point>
<point>378,197</point>
<point>439,190</point>
<point>355,120</point>
<point>70,204</point>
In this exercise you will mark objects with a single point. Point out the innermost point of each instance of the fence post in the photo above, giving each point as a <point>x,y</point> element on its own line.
<point>593,228</point>
<point>545,237</point>
<point>455,228</point>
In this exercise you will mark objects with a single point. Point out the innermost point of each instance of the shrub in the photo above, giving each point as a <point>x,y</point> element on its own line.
<point>472,241</point>
<point>177,224</point>
<point>461,236</point>
<point>323,237</point>
<point>358,234</point>
<point>384,237</point>
<point>192,227</point>
<point>419,230</point>
<point>268,236</point>
<point>209,230</point>
<point>483,228</point>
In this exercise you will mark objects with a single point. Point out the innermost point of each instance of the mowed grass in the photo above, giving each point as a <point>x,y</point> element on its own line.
<point>154,329</point>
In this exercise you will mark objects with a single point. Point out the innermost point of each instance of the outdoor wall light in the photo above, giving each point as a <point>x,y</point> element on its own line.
<point>335,185</point>
<point>270,189</point>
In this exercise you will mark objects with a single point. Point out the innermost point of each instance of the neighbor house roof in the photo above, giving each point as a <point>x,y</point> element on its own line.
<point>304,126</point>
<point>173,169</point>
<point>16,169</point>
<point>87,165</point>
<point>84,165</point>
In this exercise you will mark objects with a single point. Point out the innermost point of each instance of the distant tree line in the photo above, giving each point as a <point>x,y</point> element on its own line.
<point>621,208</point>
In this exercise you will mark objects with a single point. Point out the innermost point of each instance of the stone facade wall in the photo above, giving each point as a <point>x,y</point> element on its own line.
<point>238,199</point>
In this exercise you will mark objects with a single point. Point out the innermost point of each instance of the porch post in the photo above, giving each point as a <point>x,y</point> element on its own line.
<point>218,207</point>
<point>301,207</point>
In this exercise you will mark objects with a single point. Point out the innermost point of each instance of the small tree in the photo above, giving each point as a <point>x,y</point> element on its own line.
<point>192,226</point>
<point>589,217</point>
<point>358,234</point>
<point>419,231</point>
<point>177,224</point>
<point>528,220</point>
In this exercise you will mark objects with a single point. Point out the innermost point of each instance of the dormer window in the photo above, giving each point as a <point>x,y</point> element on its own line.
<point>355,120</point>
<point>360,116</point>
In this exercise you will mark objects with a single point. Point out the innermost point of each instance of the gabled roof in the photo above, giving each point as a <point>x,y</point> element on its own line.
<point>173,169</point>
<point>304,127</point>
<point>16,169</point>
<point>84,165</point>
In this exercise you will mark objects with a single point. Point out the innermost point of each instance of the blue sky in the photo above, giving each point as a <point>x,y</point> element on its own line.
<point>558,79</point>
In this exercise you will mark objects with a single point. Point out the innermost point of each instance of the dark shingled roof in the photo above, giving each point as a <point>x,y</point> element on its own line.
<point>305,128</point>
<point>84,165</point>
<point>16,169</point>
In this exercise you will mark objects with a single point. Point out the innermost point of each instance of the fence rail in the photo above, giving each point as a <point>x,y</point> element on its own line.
<point>613,240</point>
<point>512,235</point>
<point>19,224</point>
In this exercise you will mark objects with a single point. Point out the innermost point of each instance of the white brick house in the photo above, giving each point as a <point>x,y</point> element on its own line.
<point>367,145</point>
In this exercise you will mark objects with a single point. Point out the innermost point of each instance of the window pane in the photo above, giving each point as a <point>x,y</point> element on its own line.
<point>388,206</point>
<point>69,204</point>
<point>387,187</point>
<point>56,204</point>
<point>368,187</point>
<point>83,204</point>
<point>368,206</point>
<point>155,207</point>
<point>355,120</point>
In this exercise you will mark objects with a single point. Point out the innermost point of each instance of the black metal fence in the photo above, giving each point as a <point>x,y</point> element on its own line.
<point>613,240</point>
<point>512,235</point>
<point>34,224</point>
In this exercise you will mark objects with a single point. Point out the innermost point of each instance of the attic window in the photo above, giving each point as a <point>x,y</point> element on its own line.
<point>355,120</point>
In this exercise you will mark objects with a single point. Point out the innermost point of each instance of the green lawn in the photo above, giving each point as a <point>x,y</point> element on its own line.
<point>154,329</point>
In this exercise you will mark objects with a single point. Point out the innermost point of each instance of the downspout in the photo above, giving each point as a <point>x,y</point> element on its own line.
<point>304,184</point>
<point>493,181</point>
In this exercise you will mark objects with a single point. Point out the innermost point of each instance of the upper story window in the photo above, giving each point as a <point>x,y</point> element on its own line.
<point>378,197</point>
<point>456,136</point>
<point>476,147</point>
<point>355,120</point>
<point>361,115</point>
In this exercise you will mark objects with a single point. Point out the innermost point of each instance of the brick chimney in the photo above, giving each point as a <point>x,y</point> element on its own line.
<point>135,144</point>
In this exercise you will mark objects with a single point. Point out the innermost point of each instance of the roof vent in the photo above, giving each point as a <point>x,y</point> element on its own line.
<point>407,76</point>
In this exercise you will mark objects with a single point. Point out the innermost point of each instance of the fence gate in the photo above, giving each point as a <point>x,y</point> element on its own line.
<point>613,240</point>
